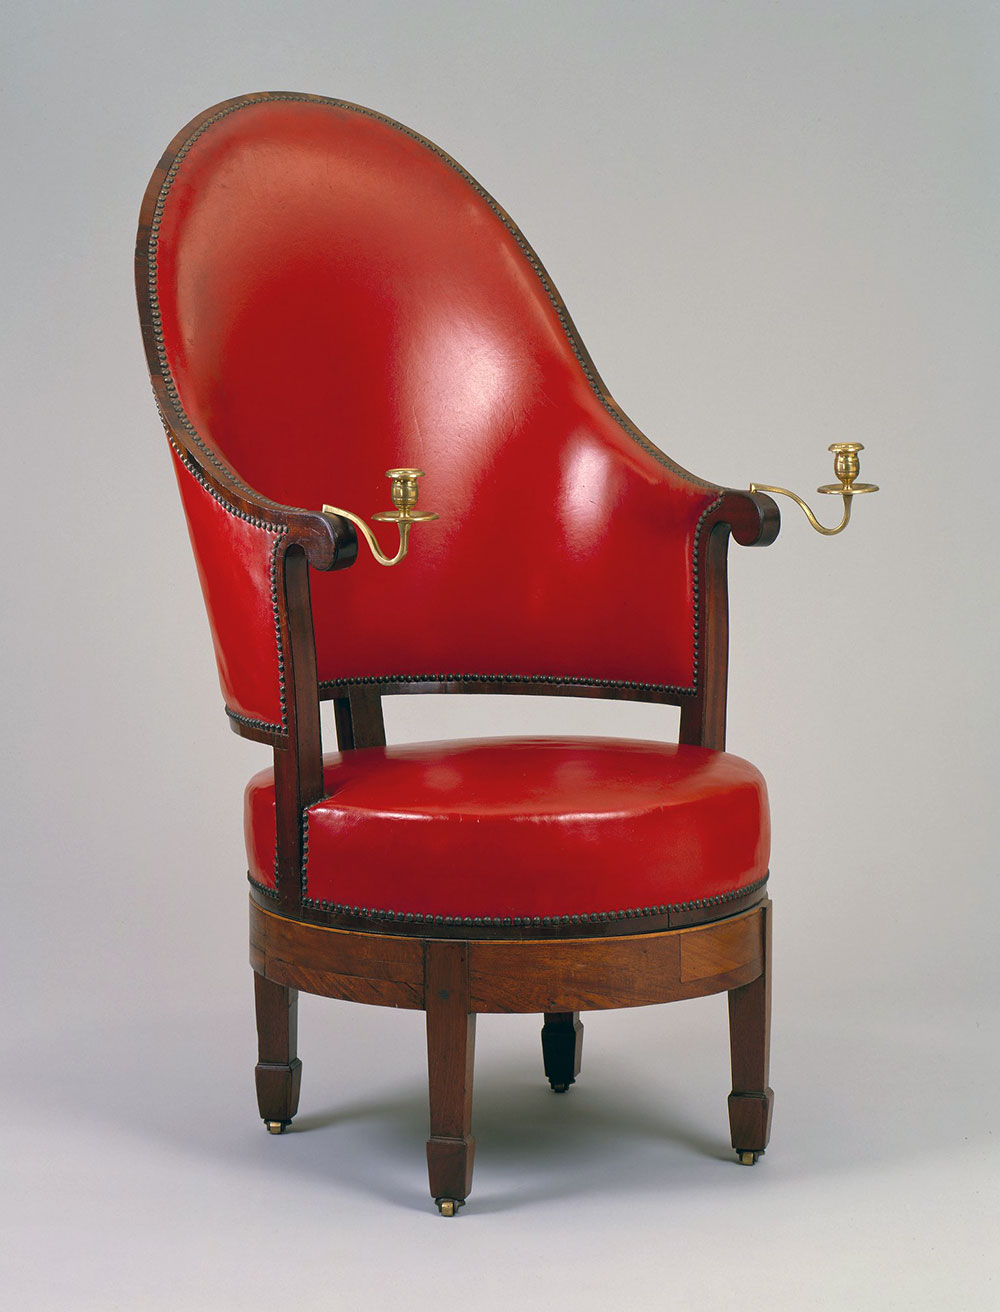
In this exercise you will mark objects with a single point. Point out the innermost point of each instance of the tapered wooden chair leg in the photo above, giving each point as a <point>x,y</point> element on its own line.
<point>279,1071</point>
<point>562,1048</point>
<point>451,1044</point>
<point>750,1040</point>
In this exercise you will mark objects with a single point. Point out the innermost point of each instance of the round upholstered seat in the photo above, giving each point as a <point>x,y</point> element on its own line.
<point>523,831</point>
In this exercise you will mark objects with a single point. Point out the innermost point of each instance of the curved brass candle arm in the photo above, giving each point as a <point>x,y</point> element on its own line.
<point>846,466</point>
<point>369,536</point>
<point>404,498</point>
<point>783,491</point>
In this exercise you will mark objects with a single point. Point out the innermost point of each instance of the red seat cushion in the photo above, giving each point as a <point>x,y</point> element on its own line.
<point>517,829</point>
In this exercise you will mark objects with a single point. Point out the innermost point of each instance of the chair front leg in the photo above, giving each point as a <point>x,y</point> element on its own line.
<point>279,1071</point>
<point>751,1100</point>
<point>562,1048</point>
<point>451,1046</point>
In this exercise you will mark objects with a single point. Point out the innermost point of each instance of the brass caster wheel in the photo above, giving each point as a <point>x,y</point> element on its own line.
<point>276,1127</point>
<point>748,1157</point>
<point>560,1088</point>
<point>449,1206</point>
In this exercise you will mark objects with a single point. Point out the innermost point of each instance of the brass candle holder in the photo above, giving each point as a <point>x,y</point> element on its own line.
<point>404,492</point>
<point>846,466</point>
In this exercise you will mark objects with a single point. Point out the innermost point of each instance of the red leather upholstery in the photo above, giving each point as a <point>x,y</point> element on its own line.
<point>336,297</point>
<point>236,560</point>
<point>499,829</point>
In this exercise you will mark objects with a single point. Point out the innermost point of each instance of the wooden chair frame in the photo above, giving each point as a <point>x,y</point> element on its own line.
<point>454,971</point>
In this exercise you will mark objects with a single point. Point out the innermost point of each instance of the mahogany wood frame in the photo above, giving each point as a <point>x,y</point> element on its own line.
<point>448,971</point>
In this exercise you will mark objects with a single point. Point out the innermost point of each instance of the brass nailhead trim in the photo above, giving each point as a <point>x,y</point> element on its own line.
<point>579,681</point>
<point>253,724</point>
<point>528,922</point>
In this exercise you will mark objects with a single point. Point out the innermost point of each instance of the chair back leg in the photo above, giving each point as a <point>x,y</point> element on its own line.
<point>562,1048</point>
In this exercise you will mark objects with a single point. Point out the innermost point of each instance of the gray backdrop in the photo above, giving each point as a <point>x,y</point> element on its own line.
<point>775,226</point>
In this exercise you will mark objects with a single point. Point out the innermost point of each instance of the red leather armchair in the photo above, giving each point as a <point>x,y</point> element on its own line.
<point>325,294</point>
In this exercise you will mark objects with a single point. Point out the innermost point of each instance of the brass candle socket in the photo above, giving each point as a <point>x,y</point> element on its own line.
<point>404,493</point>
<point>846,466</point>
